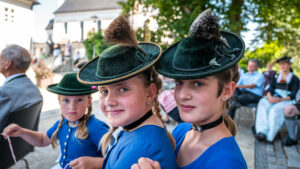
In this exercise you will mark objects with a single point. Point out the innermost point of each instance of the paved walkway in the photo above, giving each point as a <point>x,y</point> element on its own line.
<point>277,156</point>
<point>265,155</point>
<point>244,138</point>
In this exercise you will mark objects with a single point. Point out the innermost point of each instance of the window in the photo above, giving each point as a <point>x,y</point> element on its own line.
<point>66,27</point>
<point>9,15</point>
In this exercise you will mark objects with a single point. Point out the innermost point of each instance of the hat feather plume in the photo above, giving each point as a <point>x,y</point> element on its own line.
<point>120,32</point>
<point>206,26</point>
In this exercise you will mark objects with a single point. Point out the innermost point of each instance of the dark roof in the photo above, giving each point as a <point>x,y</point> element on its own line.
<point>87,5</point>
<point>50,25</point>
<point>34,1</point>
<point>29,2</point>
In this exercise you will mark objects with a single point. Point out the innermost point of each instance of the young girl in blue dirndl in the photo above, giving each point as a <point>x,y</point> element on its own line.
<point>128,87</point>
<point>78,132</point>
<point>204,66</point>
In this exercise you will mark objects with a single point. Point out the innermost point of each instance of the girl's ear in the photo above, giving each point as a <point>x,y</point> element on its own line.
<point>228,90</point>
<point>90,100</point>
<point>152,92</point>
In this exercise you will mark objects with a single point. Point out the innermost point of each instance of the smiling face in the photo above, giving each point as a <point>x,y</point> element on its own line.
<point>74,107</point>
<point>284,66</point>
<point>198,101</point>
<point>252,66</point>
<point>125,102</point>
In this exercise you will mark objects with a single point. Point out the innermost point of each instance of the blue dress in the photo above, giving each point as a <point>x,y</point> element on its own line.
<point>224,154</point>
<point>147,141</point>
<point>72,147</point>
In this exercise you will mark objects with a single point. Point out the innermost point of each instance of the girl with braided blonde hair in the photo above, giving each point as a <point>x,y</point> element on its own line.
<point>128,86</point>
<point>78,132</point>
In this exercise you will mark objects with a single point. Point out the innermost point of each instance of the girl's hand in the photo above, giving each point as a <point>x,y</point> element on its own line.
<point>274,99</point>
<point>287,98</point>
<point>146,163</point>
<point>13,130</point>
<point>86,163</point>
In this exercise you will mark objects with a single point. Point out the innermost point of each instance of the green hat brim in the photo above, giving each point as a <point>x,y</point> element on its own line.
<point>87,74</point>
<point>54,88</point>
<point>165,67</point>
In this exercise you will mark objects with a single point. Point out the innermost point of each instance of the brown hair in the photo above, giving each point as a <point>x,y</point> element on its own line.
<point>148,76</point>
<point>81,132</point>
<point>231,74</point>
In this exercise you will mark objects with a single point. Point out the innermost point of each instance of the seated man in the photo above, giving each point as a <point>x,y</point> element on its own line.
<point>249,88</point>
<point>17,92</point>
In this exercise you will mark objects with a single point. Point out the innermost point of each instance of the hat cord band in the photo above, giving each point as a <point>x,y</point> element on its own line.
<point>213,63</point>
<point>120,75</point>
<point>68,89</point>
<point>143,56</point>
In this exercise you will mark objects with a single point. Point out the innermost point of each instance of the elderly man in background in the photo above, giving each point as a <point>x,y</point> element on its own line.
<point>17,92</point>
<point>249,88</point>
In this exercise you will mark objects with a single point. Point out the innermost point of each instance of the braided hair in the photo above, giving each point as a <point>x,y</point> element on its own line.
<point>231,74</point>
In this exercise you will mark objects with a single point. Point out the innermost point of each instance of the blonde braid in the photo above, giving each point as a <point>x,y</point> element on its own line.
<point>107,139</point>
<point>54,135</point>
<point>151,76</point>
<point>158,83</point>
<point>82,131</point>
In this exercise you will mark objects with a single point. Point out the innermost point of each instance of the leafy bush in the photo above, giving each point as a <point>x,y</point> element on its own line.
<point>94,43</point>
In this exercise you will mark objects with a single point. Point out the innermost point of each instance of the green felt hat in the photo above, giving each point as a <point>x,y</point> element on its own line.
<point>70,86</point>
<point>122,61</point>
<point>205,52</point>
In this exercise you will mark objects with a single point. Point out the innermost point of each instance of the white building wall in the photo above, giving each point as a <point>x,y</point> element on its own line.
<point>73,21</point>
<point>16,22</point>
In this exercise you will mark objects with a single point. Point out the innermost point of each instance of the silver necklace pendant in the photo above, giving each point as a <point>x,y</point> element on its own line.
<point>197,128</point>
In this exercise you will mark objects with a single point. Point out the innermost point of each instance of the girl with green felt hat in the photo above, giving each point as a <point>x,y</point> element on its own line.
<point>128,86</point>
<point>204,66</point>
<point>78,132</point>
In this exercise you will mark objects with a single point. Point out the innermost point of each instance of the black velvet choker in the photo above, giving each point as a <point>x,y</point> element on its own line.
<point>201,128</point>
<point>139,121</point>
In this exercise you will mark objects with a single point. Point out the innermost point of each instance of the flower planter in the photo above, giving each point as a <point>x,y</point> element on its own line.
<point>43,83</point>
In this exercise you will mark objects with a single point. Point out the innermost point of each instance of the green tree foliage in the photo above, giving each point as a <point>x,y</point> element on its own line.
<point>278,22</point>
<point>174,17</point>
<point>278,19</point>
<point>269,53</point>
<point>94,43</point>
<point>266,54</point>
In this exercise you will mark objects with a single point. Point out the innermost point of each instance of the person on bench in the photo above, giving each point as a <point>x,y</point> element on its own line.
<point>249,88</point>
<point>270,109</point>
